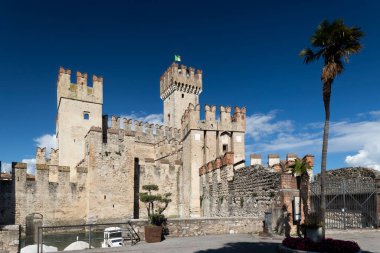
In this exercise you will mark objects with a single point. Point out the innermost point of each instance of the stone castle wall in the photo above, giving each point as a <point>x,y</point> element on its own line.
<point>229,192</point>
<point>102,188</point>
<point>59,202</point>
<point>9,238</point>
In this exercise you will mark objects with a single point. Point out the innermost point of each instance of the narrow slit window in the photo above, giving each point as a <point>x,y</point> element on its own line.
<point>86,115</point>
<point>183,95</point>
<point>225,148</point>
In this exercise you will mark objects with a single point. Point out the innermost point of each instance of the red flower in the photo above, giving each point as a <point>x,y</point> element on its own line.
<point>328,245</point>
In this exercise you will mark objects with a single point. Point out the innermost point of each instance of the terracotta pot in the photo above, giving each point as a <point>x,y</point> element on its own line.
<point>153,233</point>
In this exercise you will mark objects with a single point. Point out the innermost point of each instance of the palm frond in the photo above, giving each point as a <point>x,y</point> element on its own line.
<point>308,55</point>
<point>300,167</point>
<point>335,43</point>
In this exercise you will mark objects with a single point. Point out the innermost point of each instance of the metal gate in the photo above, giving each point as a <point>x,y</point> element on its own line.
<point>350,203</point>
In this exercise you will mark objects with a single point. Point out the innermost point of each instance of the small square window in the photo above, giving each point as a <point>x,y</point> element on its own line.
<point>86,115</point>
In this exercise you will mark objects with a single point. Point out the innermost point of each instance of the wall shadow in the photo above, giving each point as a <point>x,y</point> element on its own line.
<point>245,247</point>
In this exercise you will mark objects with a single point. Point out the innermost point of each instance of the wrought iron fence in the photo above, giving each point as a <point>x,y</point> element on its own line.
<point>349,203</point>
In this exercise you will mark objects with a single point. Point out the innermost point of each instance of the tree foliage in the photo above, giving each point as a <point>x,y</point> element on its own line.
<point>155,203</point>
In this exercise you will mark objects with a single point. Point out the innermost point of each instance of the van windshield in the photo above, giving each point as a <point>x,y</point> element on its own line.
<point>115,234</point>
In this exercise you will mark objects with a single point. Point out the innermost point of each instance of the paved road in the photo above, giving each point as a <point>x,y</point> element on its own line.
<point>242,243</point>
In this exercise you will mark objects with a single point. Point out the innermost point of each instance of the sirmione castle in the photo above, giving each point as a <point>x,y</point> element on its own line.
<point>101,162</point>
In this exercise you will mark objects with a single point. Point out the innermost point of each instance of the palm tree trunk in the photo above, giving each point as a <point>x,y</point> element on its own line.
<point>305,194</point>
<point>326,101</point>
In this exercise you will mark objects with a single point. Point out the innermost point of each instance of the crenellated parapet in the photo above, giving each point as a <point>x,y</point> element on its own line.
<point>227,122</point>
<point>219,162</point>
<point>79,90</point>
<point>275,163</point>
<point>143,131</point>
<point>212,168</point>
<point>180,78</point>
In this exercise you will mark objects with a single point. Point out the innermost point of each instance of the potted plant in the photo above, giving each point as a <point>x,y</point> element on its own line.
<point>312,227</point>
<point>155,205</point>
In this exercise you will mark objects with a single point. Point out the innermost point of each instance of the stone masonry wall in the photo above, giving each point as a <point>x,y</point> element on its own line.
<point>9,238</point>
<point>167,177</point>
<point>179,227</point>
<point>59,202</point>
<point>251,191</point>
<point>230,191</point>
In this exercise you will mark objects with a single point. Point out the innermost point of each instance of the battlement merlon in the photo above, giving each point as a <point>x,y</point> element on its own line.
<point>79,90</point>
<point>145,130</point>
<point>191,119</point>
<point>219,162</point>
<point>182,79</point>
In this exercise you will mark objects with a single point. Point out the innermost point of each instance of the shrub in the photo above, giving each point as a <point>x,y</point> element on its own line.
<point>155,204</point>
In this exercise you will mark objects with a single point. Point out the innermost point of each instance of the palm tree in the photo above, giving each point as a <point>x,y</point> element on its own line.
<point>301,169</point>
<point>334,42</point>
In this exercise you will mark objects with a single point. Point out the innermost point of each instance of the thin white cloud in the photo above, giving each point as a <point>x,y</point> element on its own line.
<point>375,114</point>
<point>47,141</point>
<point>261,125</point>
<point>6,167</point>
<point>360,140</point>
<point>31,163</point>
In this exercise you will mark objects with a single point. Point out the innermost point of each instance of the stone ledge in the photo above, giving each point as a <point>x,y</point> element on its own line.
<point>149,160</point>
<point>63,168</point>
<point>18,165</point>
<point>82,170</point>
<point>178,162</point>
<point>164,161</point>
<point>42,167</point>
<point>129,133</point>
<point>113,131</point>
<point>95,129</point>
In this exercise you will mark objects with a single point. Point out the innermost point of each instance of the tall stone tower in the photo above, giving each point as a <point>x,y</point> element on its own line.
<point>178,88</point>
<point>79,108</point>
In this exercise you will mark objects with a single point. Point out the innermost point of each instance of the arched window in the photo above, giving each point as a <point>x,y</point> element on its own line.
<point>86,115</point>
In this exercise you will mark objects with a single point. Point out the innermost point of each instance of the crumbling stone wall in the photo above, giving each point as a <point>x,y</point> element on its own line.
<point>250,192</point>
<point>230,191</point>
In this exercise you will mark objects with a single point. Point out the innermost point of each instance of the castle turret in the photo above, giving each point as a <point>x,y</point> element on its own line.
<point>179,87</point>
<point>79,108</point>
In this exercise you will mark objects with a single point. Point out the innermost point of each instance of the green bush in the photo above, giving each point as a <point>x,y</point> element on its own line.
<point>155,204</point>
<point>157,219</point>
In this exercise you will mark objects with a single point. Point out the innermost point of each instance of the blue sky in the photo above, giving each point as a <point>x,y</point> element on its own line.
<point>248,51</point>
